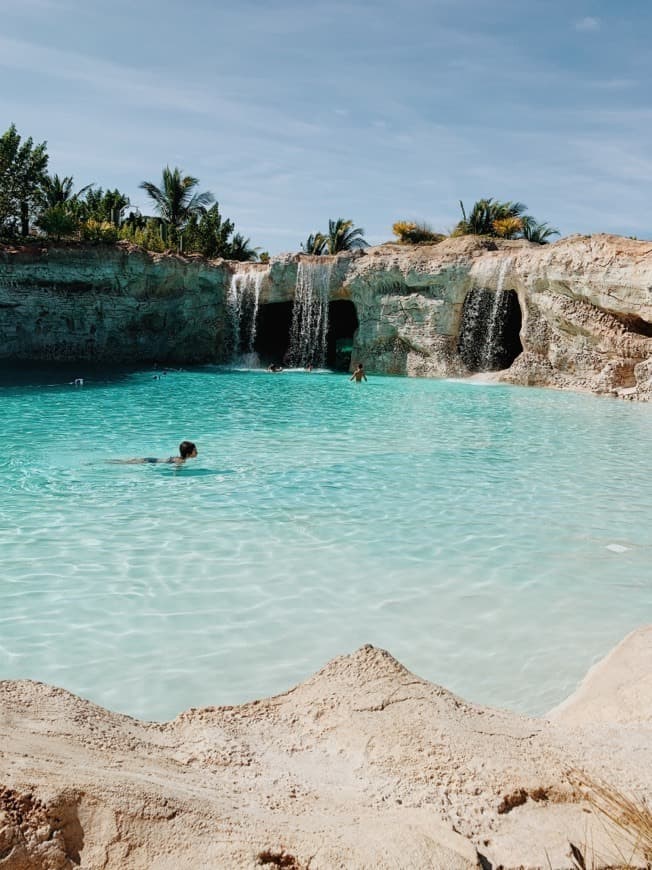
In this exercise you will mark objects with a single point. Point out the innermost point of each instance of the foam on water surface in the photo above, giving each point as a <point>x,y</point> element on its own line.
<point>462,528</point>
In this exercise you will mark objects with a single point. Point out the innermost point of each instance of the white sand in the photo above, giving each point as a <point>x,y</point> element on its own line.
<point>364,765</point>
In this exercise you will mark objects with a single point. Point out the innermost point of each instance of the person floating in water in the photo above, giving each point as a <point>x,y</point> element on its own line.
<point>358,375</point>
<point>187,450</point>
<point>273,367</point>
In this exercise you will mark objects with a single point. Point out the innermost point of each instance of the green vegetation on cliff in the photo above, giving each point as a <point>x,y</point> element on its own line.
<point>189,221</point>
<point>341,236</point>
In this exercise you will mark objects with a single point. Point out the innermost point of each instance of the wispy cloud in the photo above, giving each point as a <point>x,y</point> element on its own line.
<point>132,85</point>
<point>292,114</point>
<point>588,24</point>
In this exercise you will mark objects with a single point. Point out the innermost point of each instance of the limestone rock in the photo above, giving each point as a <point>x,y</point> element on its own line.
<point>585,305</point>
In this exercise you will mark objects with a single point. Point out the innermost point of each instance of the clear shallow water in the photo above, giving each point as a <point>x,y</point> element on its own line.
<point>477,532</point>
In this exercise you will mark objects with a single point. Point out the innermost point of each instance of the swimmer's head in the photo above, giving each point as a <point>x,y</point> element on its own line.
<point>187,450</point>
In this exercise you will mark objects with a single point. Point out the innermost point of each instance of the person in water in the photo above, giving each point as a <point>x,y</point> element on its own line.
<point>187,450</point>
<point>272,367</point>
<point>358,375</point>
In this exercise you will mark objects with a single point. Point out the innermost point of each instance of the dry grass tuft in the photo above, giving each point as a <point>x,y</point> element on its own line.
<point>630,820</point>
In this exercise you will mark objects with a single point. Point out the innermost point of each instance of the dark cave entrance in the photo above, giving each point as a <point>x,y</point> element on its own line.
<point>489,338</point>
<point>274,327</point>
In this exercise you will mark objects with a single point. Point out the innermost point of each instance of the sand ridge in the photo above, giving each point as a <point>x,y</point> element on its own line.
<point>363,765</point>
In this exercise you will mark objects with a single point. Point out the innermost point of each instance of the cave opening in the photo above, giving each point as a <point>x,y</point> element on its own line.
<point>274,330</point>
<point>489,338</point>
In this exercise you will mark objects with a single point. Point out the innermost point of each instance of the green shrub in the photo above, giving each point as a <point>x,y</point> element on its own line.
<point>411,233</point>
<point>99,231</point>
<point>58,222</point>
<point>148,237</point>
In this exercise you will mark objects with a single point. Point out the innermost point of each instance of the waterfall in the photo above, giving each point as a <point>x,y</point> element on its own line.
<point>309,331</point>
<point>492,348</point>
<point>242,301</point>
<point>472,332</point>
<point>490,322</point>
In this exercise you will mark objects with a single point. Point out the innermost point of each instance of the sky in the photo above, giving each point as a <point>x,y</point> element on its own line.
<point>292,113</point>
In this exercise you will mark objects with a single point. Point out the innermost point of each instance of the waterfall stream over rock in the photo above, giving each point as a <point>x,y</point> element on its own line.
<point>242,313</point>
<point>491,321</point>
<point>309,330</point>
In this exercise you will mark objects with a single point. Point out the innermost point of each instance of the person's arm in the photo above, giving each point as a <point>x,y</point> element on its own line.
<point>352,376</point>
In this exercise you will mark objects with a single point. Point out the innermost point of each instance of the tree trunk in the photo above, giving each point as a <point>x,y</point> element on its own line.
<point>24,218</point>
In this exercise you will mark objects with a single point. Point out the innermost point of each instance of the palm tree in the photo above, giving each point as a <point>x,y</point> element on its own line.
<point>58,191</point>
<point>315,244</point>
<point>175,201</point>
<point>490,217</point>
<point>240,249</point>
<point>343,236</point>
<point>539,233</point>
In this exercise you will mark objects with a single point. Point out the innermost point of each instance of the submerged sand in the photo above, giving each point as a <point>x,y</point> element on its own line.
<point>365,765</point>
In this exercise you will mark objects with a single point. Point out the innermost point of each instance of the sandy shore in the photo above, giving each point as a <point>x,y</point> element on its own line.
<point>365,765</point>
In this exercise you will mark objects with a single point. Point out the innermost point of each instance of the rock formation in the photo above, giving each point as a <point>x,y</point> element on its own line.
<point>580,315</point>
<point>363,765</point>
<point>110,303</point>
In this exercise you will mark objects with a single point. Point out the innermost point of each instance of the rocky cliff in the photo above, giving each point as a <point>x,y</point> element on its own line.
<point>576,314</point>
<point>114,303</point>
<point>584,308</point>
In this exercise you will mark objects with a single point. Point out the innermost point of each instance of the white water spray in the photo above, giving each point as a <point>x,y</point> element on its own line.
<point>308,335</point>
<point>242,302</point>
<point>492,346</point>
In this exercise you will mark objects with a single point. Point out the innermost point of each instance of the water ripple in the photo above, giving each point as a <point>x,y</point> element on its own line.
<point>495,539</point>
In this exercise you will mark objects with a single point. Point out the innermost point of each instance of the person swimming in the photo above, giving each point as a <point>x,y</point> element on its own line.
<point>187,450</point>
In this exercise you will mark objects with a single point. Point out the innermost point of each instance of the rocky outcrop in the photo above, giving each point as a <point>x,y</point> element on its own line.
<point>363,765</point>
<point>114,303</point>
<point>584,303</point>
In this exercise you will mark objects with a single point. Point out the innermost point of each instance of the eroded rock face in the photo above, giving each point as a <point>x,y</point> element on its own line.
<point>585,306</point>
<point>112,303</point>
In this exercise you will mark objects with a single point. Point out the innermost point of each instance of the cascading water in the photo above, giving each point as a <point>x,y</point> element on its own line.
<point>490,326</point>
<point>309,331</point>
<point>242,302</point>
<point>493,349</point>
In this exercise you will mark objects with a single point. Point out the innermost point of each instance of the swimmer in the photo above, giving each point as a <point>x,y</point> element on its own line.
<point>78,382</point>
<point>187,450</point>
<point>358,375</point>
<point>272,367</point>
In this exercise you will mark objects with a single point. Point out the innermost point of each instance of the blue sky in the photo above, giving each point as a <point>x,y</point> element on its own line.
<point>293,112</point>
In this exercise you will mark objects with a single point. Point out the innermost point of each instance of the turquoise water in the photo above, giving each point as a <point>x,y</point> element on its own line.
<point>496,540</point>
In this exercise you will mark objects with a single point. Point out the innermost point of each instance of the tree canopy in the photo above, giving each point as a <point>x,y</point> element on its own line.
<point>23,168</point>
<point>176,201</point>
<point>190,220</point>
<point>341,236</point>
<point>505,220</point>
<point>316,243</point>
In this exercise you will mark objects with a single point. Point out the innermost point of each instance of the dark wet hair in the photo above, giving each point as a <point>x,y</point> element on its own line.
<point>186,448</point>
